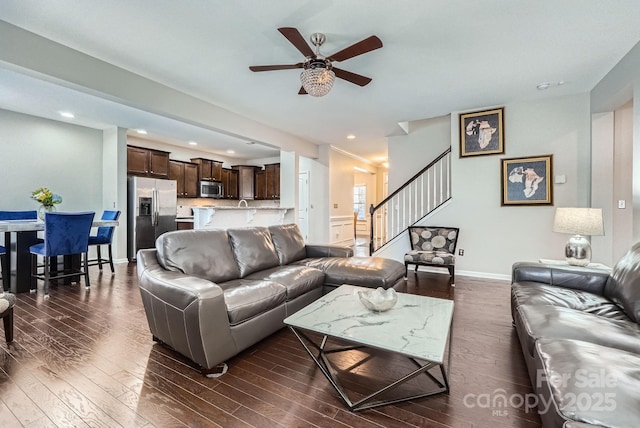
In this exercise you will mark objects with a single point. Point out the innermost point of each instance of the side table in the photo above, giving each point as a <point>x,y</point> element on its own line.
<point>564,262</point>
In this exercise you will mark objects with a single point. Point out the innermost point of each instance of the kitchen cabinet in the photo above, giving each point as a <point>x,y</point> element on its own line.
<point>147,162</point>
<point>186,176</point>
<point>230,183</point>
<point>260,184</point>
<point>184,225</point>
<point>246,181</point>
<point>272,172</point>
<point>209,170</point>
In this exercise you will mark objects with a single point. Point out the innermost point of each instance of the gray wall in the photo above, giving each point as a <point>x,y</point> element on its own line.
<point>494,237</point>
<point>39,152</point>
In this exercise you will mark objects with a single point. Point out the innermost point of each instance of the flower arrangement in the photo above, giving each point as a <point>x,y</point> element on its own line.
<point>46,197</point>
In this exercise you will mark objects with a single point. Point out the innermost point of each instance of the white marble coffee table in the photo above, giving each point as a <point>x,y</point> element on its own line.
<point>417,327</point>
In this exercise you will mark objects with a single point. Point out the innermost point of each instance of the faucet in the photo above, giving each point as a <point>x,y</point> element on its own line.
<point>240,203</point>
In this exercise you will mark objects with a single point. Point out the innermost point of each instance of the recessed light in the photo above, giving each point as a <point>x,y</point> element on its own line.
<point>543,86</point>
<point>141,131</point>
<point>67,114</point>
<point>193,143</point>
<point>351,137</point>
<point>231,151</point>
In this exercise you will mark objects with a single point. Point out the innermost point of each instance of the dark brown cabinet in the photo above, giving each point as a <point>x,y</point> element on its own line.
<point>246,181</point>
<point>147,162</point>
<point>210,170</point>
<point>186,176</point>
<point>230,183</point>
<point>184,225</point>
<point>260,184</point>
<point>272,172</point>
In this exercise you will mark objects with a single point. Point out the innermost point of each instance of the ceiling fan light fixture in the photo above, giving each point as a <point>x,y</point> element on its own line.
<point>317,78</point>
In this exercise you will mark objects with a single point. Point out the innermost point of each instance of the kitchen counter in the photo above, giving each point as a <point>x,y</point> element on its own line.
<point>224,217</point>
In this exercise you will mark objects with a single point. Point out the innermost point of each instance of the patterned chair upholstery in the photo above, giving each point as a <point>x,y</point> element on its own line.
<point>432,246</point>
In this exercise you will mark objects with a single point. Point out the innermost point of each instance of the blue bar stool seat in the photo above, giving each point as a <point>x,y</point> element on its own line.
<point>104,236</point>
<point>65,234</point>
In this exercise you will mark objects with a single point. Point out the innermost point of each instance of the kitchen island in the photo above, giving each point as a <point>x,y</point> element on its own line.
<point>225,217</point>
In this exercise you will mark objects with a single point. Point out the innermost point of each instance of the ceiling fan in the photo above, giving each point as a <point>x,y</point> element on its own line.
<point>318,71</point>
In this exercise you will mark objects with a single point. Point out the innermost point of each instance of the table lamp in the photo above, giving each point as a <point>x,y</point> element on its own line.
<point>578,222</point>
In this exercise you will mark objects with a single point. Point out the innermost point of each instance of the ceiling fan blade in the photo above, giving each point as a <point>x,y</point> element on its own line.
<point>296,39</point>
<point>351,77</point>
<point>367,45</point>
<point>274,67</point>
<point>302,91</point>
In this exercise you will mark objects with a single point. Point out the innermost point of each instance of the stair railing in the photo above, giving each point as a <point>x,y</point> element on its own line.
<point>415,199</point>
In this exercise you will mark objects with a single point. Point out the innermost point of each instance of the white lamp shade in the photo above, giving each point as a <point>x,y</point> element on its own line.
<point>579,221</point>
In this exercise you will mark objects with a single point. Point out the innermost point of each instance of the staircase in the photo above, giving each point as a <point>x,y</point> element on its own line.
<point>415,199</point>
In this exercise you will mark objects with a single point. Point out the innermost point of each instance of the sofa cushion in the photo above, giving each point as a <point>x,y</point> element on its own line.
<point>253,249</point>
<point>535,293</point>
<point>203,253</point>
<point>371,272</point>
<point>297,279</point>
<point>623,286</point>
<point>289,242</point>
<point>587,383</point>
<point>248,298</point>
<point>552,322</point>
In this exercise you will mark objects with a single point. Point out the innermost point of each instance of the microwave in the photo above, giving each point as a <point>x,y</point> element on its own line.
<point>211,189</point>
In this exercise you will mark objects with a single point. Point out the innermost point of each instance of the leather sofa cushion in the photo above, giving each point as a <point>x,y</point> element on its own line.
<point>289,242</point>
<point>248,298</point>
<point>535,293</point>
<point>371,272</point>
<point>253,249</point>
<point>579,278</point>
<point>552,322</point>
<point>623,286</point>
<point>296,279</point>
<point>591,384</point>
<point>203,253</point>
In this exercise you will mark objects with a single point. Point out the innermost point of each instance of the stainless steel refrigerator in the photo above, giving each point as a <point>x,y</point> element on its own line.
<point>152,209</point>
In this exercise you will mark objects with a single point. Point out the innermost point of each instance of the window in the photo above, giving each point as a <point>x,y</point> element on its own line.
<point>360,200</point>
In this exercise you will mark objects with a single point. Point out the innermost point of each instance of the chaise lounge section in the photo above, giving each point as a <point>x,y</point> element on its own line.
<point>579,333</point>
<point>209,294</point>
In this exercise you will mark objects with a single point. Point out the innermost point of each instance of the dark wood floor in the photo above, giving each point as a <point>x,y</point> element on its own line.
<point>87,359</point>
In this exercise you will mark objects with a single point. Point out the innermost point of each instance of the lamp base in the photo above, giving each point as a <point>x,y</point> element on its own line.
<point>578,251</point>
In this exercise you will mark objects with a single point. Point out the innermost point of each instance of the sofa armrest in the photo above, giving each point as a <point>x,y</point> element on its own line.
<point>328,251</point>
<point>574,277</point>
<point>185,312</point>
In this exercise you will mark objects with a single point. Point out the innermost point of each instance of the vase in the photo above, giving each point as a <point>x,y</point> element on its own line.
<point>45,209</point>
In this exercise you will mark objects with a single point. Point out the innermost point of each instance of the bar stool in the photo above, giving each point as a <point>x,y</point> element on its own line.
<point>4,268</point>
<point>104,236</point>
<point>65,234</point>
<point>7,302</point>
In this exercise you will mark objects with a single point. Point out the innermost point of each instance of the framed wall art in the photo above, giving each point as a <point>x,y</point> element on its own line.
<point>482,133</point>
<point>527,181</point>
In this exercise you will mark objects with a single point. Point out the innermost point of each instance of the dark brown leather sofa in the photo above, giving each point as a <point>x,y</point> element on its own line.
<point>210,294</point>
<point>580,337</point>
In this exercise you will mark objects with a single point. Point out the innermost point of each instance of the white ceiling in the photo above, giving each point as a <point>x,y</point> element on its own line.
<point>439,56</point>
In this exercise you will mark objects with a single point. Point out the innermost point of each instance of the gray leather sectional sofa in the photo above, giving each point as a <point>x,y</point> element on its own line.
<point>579,332</point>
<point>210,294</point>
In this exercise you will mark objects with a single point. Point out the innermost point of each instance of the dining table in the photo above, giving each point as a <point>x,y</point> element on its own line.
<point>26,232</point>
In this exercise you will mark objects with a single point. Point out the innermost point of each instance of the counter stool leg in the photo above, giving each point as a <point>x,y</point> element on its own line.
<point>8,325</point>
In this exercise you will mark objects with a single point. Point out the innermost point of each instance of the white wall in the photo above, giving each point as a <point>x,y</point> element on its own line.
<point>494,237</point>
<point>408,154</point>
<point>38,152</point>
<point>318,199</point>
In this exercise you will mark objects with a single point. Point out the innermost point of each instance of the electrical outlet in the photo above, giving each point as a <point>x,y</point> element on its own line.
<point>461,252</point>
<point>335,205</point>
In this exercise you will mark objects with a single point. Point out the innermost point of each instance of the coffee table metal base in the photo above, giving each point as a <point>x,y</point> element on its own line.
<point>321,360</point>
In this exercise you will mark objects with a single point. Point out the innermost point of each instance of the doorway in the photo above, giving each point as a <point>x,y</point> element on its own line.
<point>303,203</point>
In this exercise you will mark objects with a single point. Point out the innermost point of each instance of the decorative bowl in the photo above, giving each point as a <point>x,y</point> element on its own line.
<point>378,300</point>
